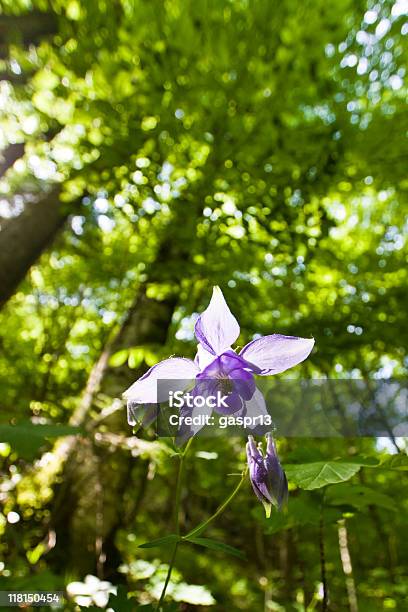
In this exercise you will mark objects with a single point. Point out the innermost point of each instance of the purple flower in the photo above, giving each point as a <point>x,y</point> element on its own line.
<point>217,365</point>
<point>266,474</point>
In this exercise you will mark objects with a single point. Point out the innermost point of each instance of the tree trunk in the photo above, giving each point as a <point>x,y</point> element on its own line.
<point>89,503</point>
<point>11,154</point>
<point>15,150</point>
<point>24,238</point>
<point>89,506</point>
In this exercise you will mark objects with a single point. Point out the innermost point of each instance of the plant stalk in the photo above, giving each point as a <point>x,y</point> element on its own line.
<point>219,510</point>
<point>176,521</point>
<point>179,486</point>
<point>199,527</point>
<point>169,571</point>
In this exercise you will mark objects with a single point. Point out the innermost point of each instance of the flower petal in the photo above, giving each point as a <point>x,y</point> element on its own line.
<point>257,410</point>
<point>141,415</point>
<point>277,484</point>
<point>243,383</point>
<point>277,353</point>
<point>203,358</point>
<point>257,471</point>
<point>229,364</point>
<point>198,416</point>
<point>277,481</point>
<point>217,328</point>
<point>177,369</point>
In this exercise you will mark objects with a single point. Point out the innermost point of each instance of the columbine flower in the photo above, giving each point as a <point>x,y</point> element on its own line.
<point>218,365</point>
<point>266,474</point>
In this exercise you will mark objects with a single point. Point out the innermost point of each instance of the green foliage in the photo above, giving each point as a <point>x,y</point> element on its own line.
<point>218,546</point>
<point>316,475</point>
<point>27,439</point>
<point>254,145</point>
<point>165,541</point>
<point>358,496</point>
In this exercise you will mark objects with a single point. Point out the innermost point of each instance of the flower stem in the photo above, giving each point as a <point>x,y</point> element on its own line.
<point>199,527</point>
<point>219,510</point>
<point>163,593</point>
<point>178,486</point>
<point>176,520</point>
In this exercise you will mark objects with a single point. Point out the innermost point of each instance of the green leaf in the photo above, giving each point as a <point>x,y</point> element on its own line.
<point>36,553</point>
<point>26,438</point>
<point>136,357</point>
<point>170,539</point>
<point>215,545</point>
<point>120,601</point>
<point>316,475</point>
<point>395,462</point>
<point>118,358</point>
<point>43,580</point>
<point>302,509</point>
<point>363,461</point>
<point>358,496</point>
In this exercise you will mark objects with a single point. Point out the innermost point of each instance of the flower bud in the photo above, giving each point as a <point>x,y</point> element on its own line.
<point>266,474</point>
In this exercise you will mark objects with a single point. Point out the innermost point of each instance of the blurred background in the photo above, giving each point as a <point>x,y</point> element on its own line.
<point>151,150</point>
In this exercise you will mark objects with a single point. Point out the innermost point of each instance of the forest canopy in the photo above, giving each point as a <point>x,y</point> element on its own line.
<point>150,151</point>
